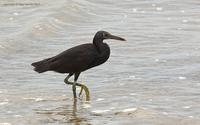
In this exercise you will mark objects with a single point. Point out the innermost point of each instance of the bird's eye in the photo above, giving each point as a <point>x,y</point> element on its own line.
<point>105,34</point>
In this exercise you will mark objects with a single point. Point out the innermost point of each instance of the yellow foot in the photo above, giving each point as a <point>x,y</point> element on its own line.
<point>83,87</point>
<point>87,93</point>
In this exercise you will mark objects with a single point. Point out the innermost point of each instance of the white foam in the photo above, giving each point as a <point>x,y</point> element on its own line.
<point>100,111</point>
<point>125,16</point>
<point>132,94</point>
<point>1,47</point>
<point>134,77</point>
<point>11,18</point>
<point>3,103</point>
<point>121,84</point>
<point>129,110</point>
<point>179,28</point>
<point>157,60</point>
<point>9,112</point>
<point>5,123</point>
<point>86,106</point>
<point>15,13</point>
<point>159,8</point>
<point>164,113</point>
<point>184,21</point>
<point>169,18</point>
<point>111,108</point>
<point>56,20</point>
<point>182,11</point>
<point>187,107</point>
<point>18,116</point>
<point>100,99</point>
<point>6,100</point>
<point>181,78</point>
<point>39,27</point>
<point>38,99</point>
<point>35,99</point>
<point>134,10</point>
<point>150,100</point>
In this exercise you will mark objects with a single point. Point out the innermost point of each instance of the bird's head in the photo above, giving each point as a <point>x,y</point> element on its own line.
<point>101,35</point>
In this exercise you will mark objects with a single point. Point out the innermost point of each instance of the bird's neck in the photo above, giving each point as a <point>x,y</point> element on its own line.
<point>98,43</point>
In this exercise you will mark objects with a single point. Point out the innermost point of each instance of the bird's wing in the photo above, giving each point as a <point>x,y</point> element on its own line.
<point>76,59</point>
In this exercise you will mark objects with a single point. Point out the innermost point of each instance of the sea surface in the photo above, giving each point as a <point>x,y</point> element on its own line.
<point>151,79</point>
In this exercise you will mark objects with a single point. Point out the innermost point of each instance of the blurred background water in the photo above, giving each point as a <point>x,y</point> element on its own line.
<point>152,79</point>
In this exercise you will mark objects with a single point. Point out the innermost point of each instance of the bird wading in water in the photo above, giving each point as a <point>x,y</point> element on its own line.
<point>78,59</point>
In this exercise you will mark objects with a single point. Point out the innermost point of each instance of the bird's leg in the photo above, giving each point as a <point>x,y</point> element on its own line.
<point>73,84</point>
<point>80,93</point>
<point>76,75</point>
<point>83,87</point>
<point>87,92</point>
<point>74,89</point>
<point>66,79</point>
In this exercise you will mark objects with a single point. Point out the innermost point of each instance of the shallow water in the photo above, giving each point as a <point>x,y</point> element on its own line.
<point>153,78</point>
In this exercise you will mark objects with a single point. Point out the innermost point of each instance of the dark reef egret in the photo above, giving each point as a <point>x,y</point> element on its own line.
<point>78,59</point>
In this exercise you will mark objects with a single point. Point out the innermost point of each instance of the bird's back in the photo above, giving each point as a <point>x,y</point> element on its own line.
<point>75,59</point>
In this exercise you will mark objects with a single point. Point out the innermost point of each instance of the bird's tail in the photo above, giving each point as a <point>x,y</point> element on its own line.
<point>41,66</point>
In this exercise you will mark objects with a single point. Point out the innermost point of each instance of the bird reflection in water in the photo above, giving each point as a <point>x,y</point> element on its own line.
<point>77,120</point>
<point>64,114</point>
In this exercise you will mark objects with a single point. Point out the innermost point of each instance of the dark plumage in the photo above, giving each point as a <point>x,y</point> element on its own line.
<point>78,58</point>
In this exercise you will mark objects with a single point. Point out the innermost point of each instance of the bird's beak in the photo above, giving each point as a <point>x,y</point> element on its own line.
<point>115,37</point>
